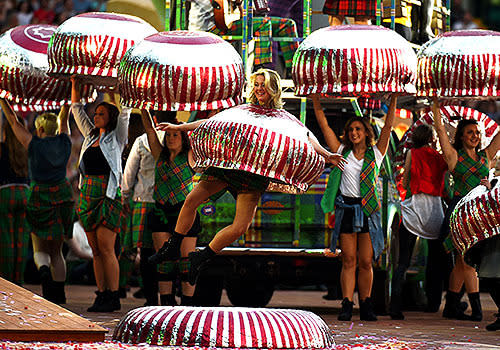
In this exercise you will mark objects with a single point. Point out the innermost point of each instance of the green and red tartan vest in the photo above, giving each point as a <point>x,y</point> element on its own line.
<point>367,185</point>
<point>173,180</point>
<point>468,172</point>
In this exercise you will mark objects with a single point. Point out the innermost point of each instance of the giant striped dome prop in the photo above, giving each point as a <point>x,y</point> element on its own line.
<point>181,70</point>
<point>462,63</point>
<point>23,66</point>
<point>92,44</point>
<point>224,328</point>
<point>476,218</point>
<point>263,141</point>
<point>354,60</point>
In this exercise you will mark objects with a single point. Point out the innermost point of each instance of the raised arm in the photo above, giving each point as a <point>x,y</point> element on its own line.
<point>450,154</point>
<point>63,120</point>
<point>131,171</point>
<point>407,170</point>
<point>493,147</point>
<point>181,127</point>
<point>154,142</point>
<point>22,134</point>
<point>385,133</point>
<point>122,125</point>
<point>82,120</point>
<point>331,139</point>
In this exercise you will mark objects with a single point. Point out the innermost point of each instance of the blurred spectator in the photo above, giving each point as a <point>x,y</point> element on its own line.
<point>467,22</point>
<point>80,6</point>
<point>66,12</point>
<point>99,5</point>
<point>44,14</point>
<point>25,13</point>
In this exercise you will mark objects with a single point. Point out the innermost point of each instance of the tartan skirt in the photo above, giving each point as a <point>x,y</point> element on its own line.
<point>350,8</point>
<point>95,208</point>
<point>50,210</point>
<point>139,232</point>
<point>237,180</point>
<point>15,235</point>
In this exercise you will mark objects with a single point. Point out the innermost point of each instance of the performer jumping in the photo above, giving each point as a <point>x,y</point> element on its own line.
<point>50,200</point>
<point>245,186</point>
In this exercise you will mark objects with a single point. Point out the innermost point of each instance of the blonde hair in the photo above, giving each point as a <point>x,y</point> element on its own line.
<point>272,84</point>
<point>49,123</point>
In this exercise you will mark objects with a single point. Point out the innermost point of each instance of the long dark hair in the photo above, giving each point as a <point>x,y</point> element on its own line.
<point>18,155</point>
<point>457,143</point>
<point>186,145</point>
<point>370,136</point>
<point>113,114</point>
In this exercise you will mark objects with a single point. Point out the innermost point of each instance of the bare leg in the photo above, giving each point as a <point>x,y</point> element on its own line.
<point>469,275</point>
<point>365,274</point>
<point>362,20</point>
<point>111,271</point>
<point>197,196</point>
<point>246,204</point>
<point>97,261</point>
<point>57,262</point>
<point>335,20</point>
<point>456,277</point>
<point>348,245</point>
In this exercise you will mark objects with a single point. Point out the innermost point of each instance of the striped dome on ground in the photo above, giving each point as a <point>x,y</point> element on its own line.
<point>224,327</point>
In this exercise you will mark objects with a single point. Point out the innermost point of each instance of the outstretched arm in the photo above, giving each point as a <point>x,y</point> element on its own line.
<point>493,147</point>
<point>335,159</point>
<point>181,127</point>
<point>331,139</point>
<point>385,134</point>
<point>154,142</point>
<point>63,120</point>
<point>22,134</point>
<point>450,154</point>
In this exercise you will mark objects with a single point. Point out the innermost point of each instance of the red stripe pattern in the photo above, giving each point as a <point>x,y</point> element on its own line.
<point>463,63</point>
<point>221,327</point>
<point>476,218</point>
<point>266,142</point>
<point>92,46</point>
<point>181,71</point>
<point>23,80</point>
<point>354,60</point>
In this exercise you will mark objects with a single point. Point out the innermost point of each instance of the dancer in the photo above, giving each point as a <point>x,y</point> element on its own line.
<point>352,194</point>
<point>173,183</point>
<point>14,241</point>
<point>245,186</point>
<point>50,199</point>
<point>99,207</point>
<point>423,214</point>
<point>363,11</point>
<point>469,166</point>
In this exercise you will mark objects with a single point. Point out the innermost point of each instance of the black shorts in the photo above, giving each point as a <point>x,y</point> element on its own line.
<point>346,225</point>
<point>163,218</point>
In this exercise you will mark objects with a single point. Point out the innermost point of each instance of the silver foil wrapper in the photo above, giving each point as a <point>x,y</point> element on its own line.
<point>181,70</point>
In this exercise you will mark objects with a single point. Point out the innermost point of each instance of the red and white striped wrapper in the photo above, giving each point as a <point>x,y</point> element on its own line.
<point>450,119</point>
<point>224,327</point>
<point>92,44</point>
<point>476,218</point>
<point>354,60</point>
<point>23,66</point>
<point>263,141</point>
<point>181,70</point>
<point>462,63</point>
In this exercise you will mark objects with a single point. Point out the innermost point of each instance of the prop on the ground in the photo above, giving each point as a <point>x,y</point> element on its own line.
<point>458,64</point>
<point>354,60</point>
<point>262,141</point>
<point>181,70</point>
<point>25,316</point>
<point>223,327</point>
<point>476,218</point>
<point>92,44</point>
<point>23,67</point>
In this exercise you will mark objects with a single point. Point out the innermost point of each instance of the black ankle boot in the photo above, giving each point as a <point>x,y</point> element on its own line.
<point>366,312</point>
<point>495,326</point>
<point>171,250</point>
<point>99,300</point>
<point>453,308</point>
<point>46,282</point>
<point>115,300</point>
<point>197,260</point>
<point>475,304</point>
<point>395,308</point>
<point>187,300</point>
<point>346,312</point>
<point>167,300</point>
<point>58,295</point>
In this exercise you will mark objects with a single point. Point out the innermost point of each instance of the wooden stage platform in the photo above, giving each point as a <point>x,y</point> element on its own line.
<point>25,316</point>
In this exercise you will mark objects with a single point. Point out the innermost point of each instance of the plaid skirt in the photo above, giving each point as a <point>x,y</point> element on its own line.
<point>95,208</point>
<point>237,180</point>
<point>350,8</point>
<point>139,235</point>
<point>50,210</point>
<point>15,235</point>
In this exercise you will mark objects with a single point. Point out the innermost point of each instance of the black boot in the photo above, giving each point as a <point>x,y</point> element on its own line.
<point>346,312</point>
<point>453,308</point>
<point>46,281</point>
<point>167,300</point>
<point>115,300</point>
<point>187,300</point>
<point>110,303</point>
<point>495,326</point>
<point>366,312</point>
<point>58,295</point>
<point>171,250</point>
<point>475,304</point>
<point>197,260</point>
<point>99,300</point>
<point>395,308</point>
